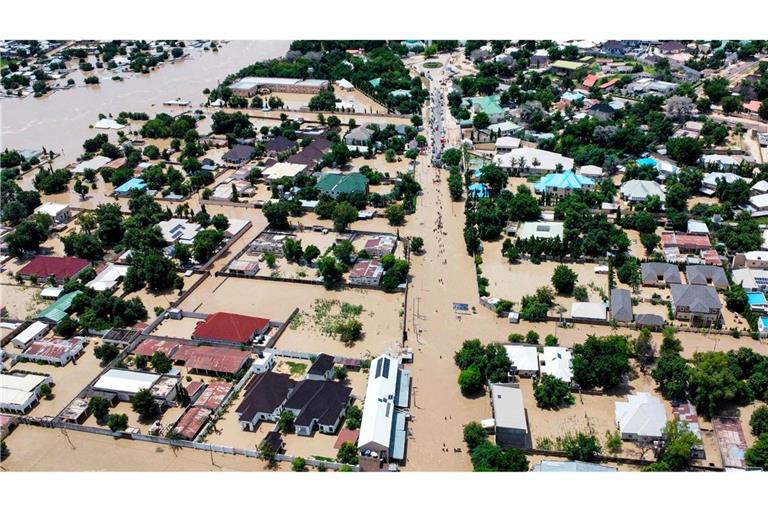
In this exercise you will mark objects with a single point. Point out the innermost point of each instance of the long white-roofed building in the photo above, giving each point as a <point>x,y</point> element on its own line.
<point>20,391</point>
<point>382,429</point>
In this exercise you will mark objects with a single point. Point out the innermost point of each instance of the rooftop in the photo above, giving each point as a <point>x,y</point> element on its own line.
<point>642,415</point>
<point>229,327</point>
<point>60,267</point>
<point>508,408</point>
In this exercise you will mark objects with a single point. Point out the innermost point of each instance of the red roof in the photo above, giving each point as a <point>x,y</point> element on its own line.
<point>60,267</point>
<point>190,424</point>
<point>609,83</point>
<point>346,436</point>
<point>193,387</point>
<point>589,81</point>
<point>230,327</point>
<point>685,242</point>
<point>52,347</point>
<point>149,346</point>
<point>213,395</point>
<point>752,106</point>
<point>211,359</point>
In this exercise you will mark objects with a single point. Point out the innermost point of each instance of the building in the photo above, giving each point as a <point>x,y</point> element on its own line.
<point>685,243</point>
<point>190,424</point>
<point>510,417</point>
<point>180,231</point>
<point>230,328</point>
<point>58,267</point>
<point>707,275</point>
<point>55,350</point>
<point>562,184</point>
<point>382,430</point>
<point>129,186</point>
<point>211,360</point>
<point>698,304</point>
<point>213,395</point>
<point>751,259</point>
<point>282,170</point>
<point>566,67</point>
<point>506,144</point>
<point>263,362</point>
<point>540,229</point>
<point>649,320</point>
<point>601,111</point>
<point>502,129</point>
<point>380,245</point>
<point>359,136</point>
<point>643,86</point>
<point>490,105</point>
<point>320,404</point>
<point>250,86</point>
<point>124,384</point>
<point>588,311</point>
<point>723,162</point>
<point>334,184</point>
<point>366,272</point>
<point>322,368</point>
<point>243,268</point>
<point>524,359</point>
<point>641,418</point>
<point>571,466</point>
<point>149,346</point>
<point>60,213</point>
<point>731,441</point>
<point>659,274</point>
<point>263,397</point>
<point>686,413</point>
<point>58,310</point>
<point>621,305</point>
<point>239,154</point>
<point>637,191</point>
<point>751,278</point>
<point>558,362</point>
<point>94,163</point>
<point>531,161</point>
<point>108,278</point>
<point>344,84</point>
<point>592,171</point>
<point>278,145</point>
<point>697,227</point>
<point>19,392</point>
<point>34,332</point>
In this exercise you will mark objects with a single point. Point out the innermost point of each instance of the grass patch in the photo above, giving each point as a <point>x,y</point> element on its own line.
<point>328,316</point>
<point>433,65</point>
<point>296,368</point>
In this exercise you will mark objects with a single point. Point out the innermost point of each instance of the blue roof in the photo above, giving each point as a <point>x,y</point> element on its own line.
<point>764,321</point>
<point>567,179</point>
<point>647,161</point>
<point>756,298</point>
<point>131,184</point>
<point>479,190</point>
<point>398,437</point>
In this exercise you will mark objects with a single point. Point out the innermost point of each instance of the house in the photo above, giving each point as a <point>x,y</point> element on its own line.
<point>751,279</point>
<point>213,395</point>
<point>149,346</point>
<point>58,267</point>
<point>539,59</point>
<point>707,275</point>
<point>490,105</point>
<point>359,136</point>
<point>129,186</point>
<point>502,129</point>
<point>621,305</point>
<point>761,187</point>
<point>524,359</point>
<point>263,363</point>
<point>711,179</point>
<point>283,170</point>
<point>592,172</point>
<point>506,144</point>
<point>58,310</point>
<point>344,84</point>
<point>108,278</point>
<point>751,259</point>
<point>540,229</point>
<point>230,328</point>
<point>191,422</point>
<point>322,368</point>
<point>238,155</point>
<point>211,360</point>
<point>124,384</point>
<point>335,184</point>
<point>510,416</point>
<point>729,434</point>
<point>758,204</point>
<point>60,213</point>
<point>366,272</point>
<point>380,245</point>
<point>566,67</point>
<point>35,331</point>
<point>531,161</point>
<point>318,403</point>
<point>243,268</point>
<point>721,161</point>
<point>601,111</point>
<point>19,392</point>
<point>278,145</point>
<point>637,191</point>
<point>659,274</point>
<point>570,466</point>
<point>757,301</point>
<point>382,430</point>
<point>589,81</point>
<point>686,413</point>
<point>54,350</point>
<point>263,396</point>
<point>180,231</point>
<point>685,243</point>
<point>649,320</point>
<point>697,227</point>
<point>613,47</point>
<point>695,303</point>
<point>643,86</point>
<point>94,163</point>
<point>558,362</point>
<point>562,184</point>
<point>588,311</point>
<point>641,418</point>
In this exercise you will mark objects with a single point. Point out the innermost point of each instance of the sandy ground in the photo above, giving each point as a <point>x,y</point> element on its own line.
<point>21,301</point>
<point>167,417</point>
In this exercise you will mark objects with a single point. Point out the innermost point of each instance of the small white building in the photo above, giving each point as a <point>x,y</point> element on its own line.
<point>558,362</point>
<point>179,230</point>
<point>344,84</point>
<point>108,278</point>
<point>507,144</point>
<point>94,163</point>
<point>592,171</point>
<point>32,333</point>
<point>524,359</point>
<point>264,363</point>
<point>588,311</point>
<point>540,230</point>
<point>59,212</point>
<point>641,418</point>
<point>283,170</point>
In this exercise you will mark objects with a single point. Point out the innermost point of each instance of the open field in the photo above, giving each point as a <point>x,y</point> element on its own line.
<point>21,301</point>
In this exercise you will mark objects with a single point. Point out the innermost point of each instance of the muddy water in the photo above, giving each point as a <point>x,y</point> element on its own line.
<point>61,121</point>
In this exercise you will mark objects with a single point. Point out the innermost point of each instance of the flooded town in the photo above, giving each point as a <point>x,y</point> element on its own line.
<point>384,255</point>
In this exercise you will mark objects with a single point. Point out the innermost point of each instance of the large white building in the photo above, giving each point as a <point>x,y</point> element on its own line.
<point>108,278</point>
<point>510,416</point>
<point>532,161</point>
<point>382,429</point>
<point>126,383</point>
<point>540,229</point>
<point>20,391</point>
<point>636,191</point>
<point>33,332</point>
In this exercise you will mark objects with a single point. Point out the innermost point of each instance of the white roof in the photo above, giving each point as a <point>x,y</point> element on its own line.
<point>94,163</point>
<point>51,209</point>
<point>523,357</point>
<point>721,160</point>
<point>508,408</point>
<point>283,170</point>
<point>179,230</point>
<point>507,142</point>
<point>540,230</point>
<point>546,160</point>
<point>591,170</point>
<point>639,190</point>
<point>697,227</point>
<point>642,415</point>
<point>108,124</point>
<point>591,310</point>
<point>759,201</point>
<point>760,186</point>
<point>345,84</point>
<point>557,361</point>
<point>125,381</point>
<point>711,179</point>
<point>756,255</point>
<point>18,389</point>
<point>30,332</point>
<point>52,292</point>
<point>379,408</point>
<point>750,278</point>
<point>107,278</point>
<point>504,126</point>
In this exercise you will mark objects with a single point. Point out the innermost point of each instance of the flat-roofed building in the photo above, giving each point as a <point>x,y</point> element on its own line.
<point>540,229</point>
<point>35,331</point>
<point>250,86</point>
<point>283,170</point>
<point>510,416</point>
<point>59,212</point>
<point>380,245</point>
<point>531,161</point>
<point>19,392</point>
<point>366,272</point>
<point>524,359</point>
<point>124,384</point>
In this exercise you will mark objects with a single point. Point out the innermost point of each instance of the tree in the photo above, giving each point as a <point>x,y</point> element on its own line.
<point>310,253</point>
<point>285,421</point>
<point>685,150</point>
<point>712,382</point>
<point>677,449</point>
<point>564,279</point>
<point>650,241</point>
<point>144,404</point>
<point>349,330</point>
<point>161,363</point>
<point>205,244</point>
<point>716,88</point>
<point>347,453</point>
<point>629,273</point>
<point>343,251</point>
<point>580,446</point>
<point>759,421</point>
<point>299,464</point>
<point>343,215</point>
<point>324,100</point>
<point>106,352</point>
<point>66,327</point>
<point>732,103</point>
<point>117,422</point>
<point>277,213</point>
<point>481,120</point>
<point>491,457</point>
<point>643,347</point>
<point>395,214</point>
<point>340,373</point>
<point>98,406</point>
<point>474,434</point>
<point>292,249</point>
<point>330,270</point>
<point>757,455</point>
<point>417,244</point>
<point>46,392</point>
<point>601,361</point>
<point>679,108</point>
<point>354,417</point>
<point>551,392</point>
<point>470,381</point>
<point>220,222</point>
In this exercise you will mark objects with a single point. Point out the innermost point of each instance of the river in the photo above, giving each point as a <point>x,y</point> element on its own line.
<point>60,121</point>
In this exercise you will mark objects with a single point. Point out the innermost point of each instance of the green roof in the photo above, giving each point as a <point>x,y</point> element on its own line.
<point>58,310</point>
<point>335,183</point>
<point>567,64</point>
<point>375,82</point>
<point>488,104</point>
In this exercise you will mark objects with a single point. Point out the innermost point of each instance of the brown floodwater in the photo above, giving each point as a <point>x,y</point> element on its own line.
<point>61,121</point>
